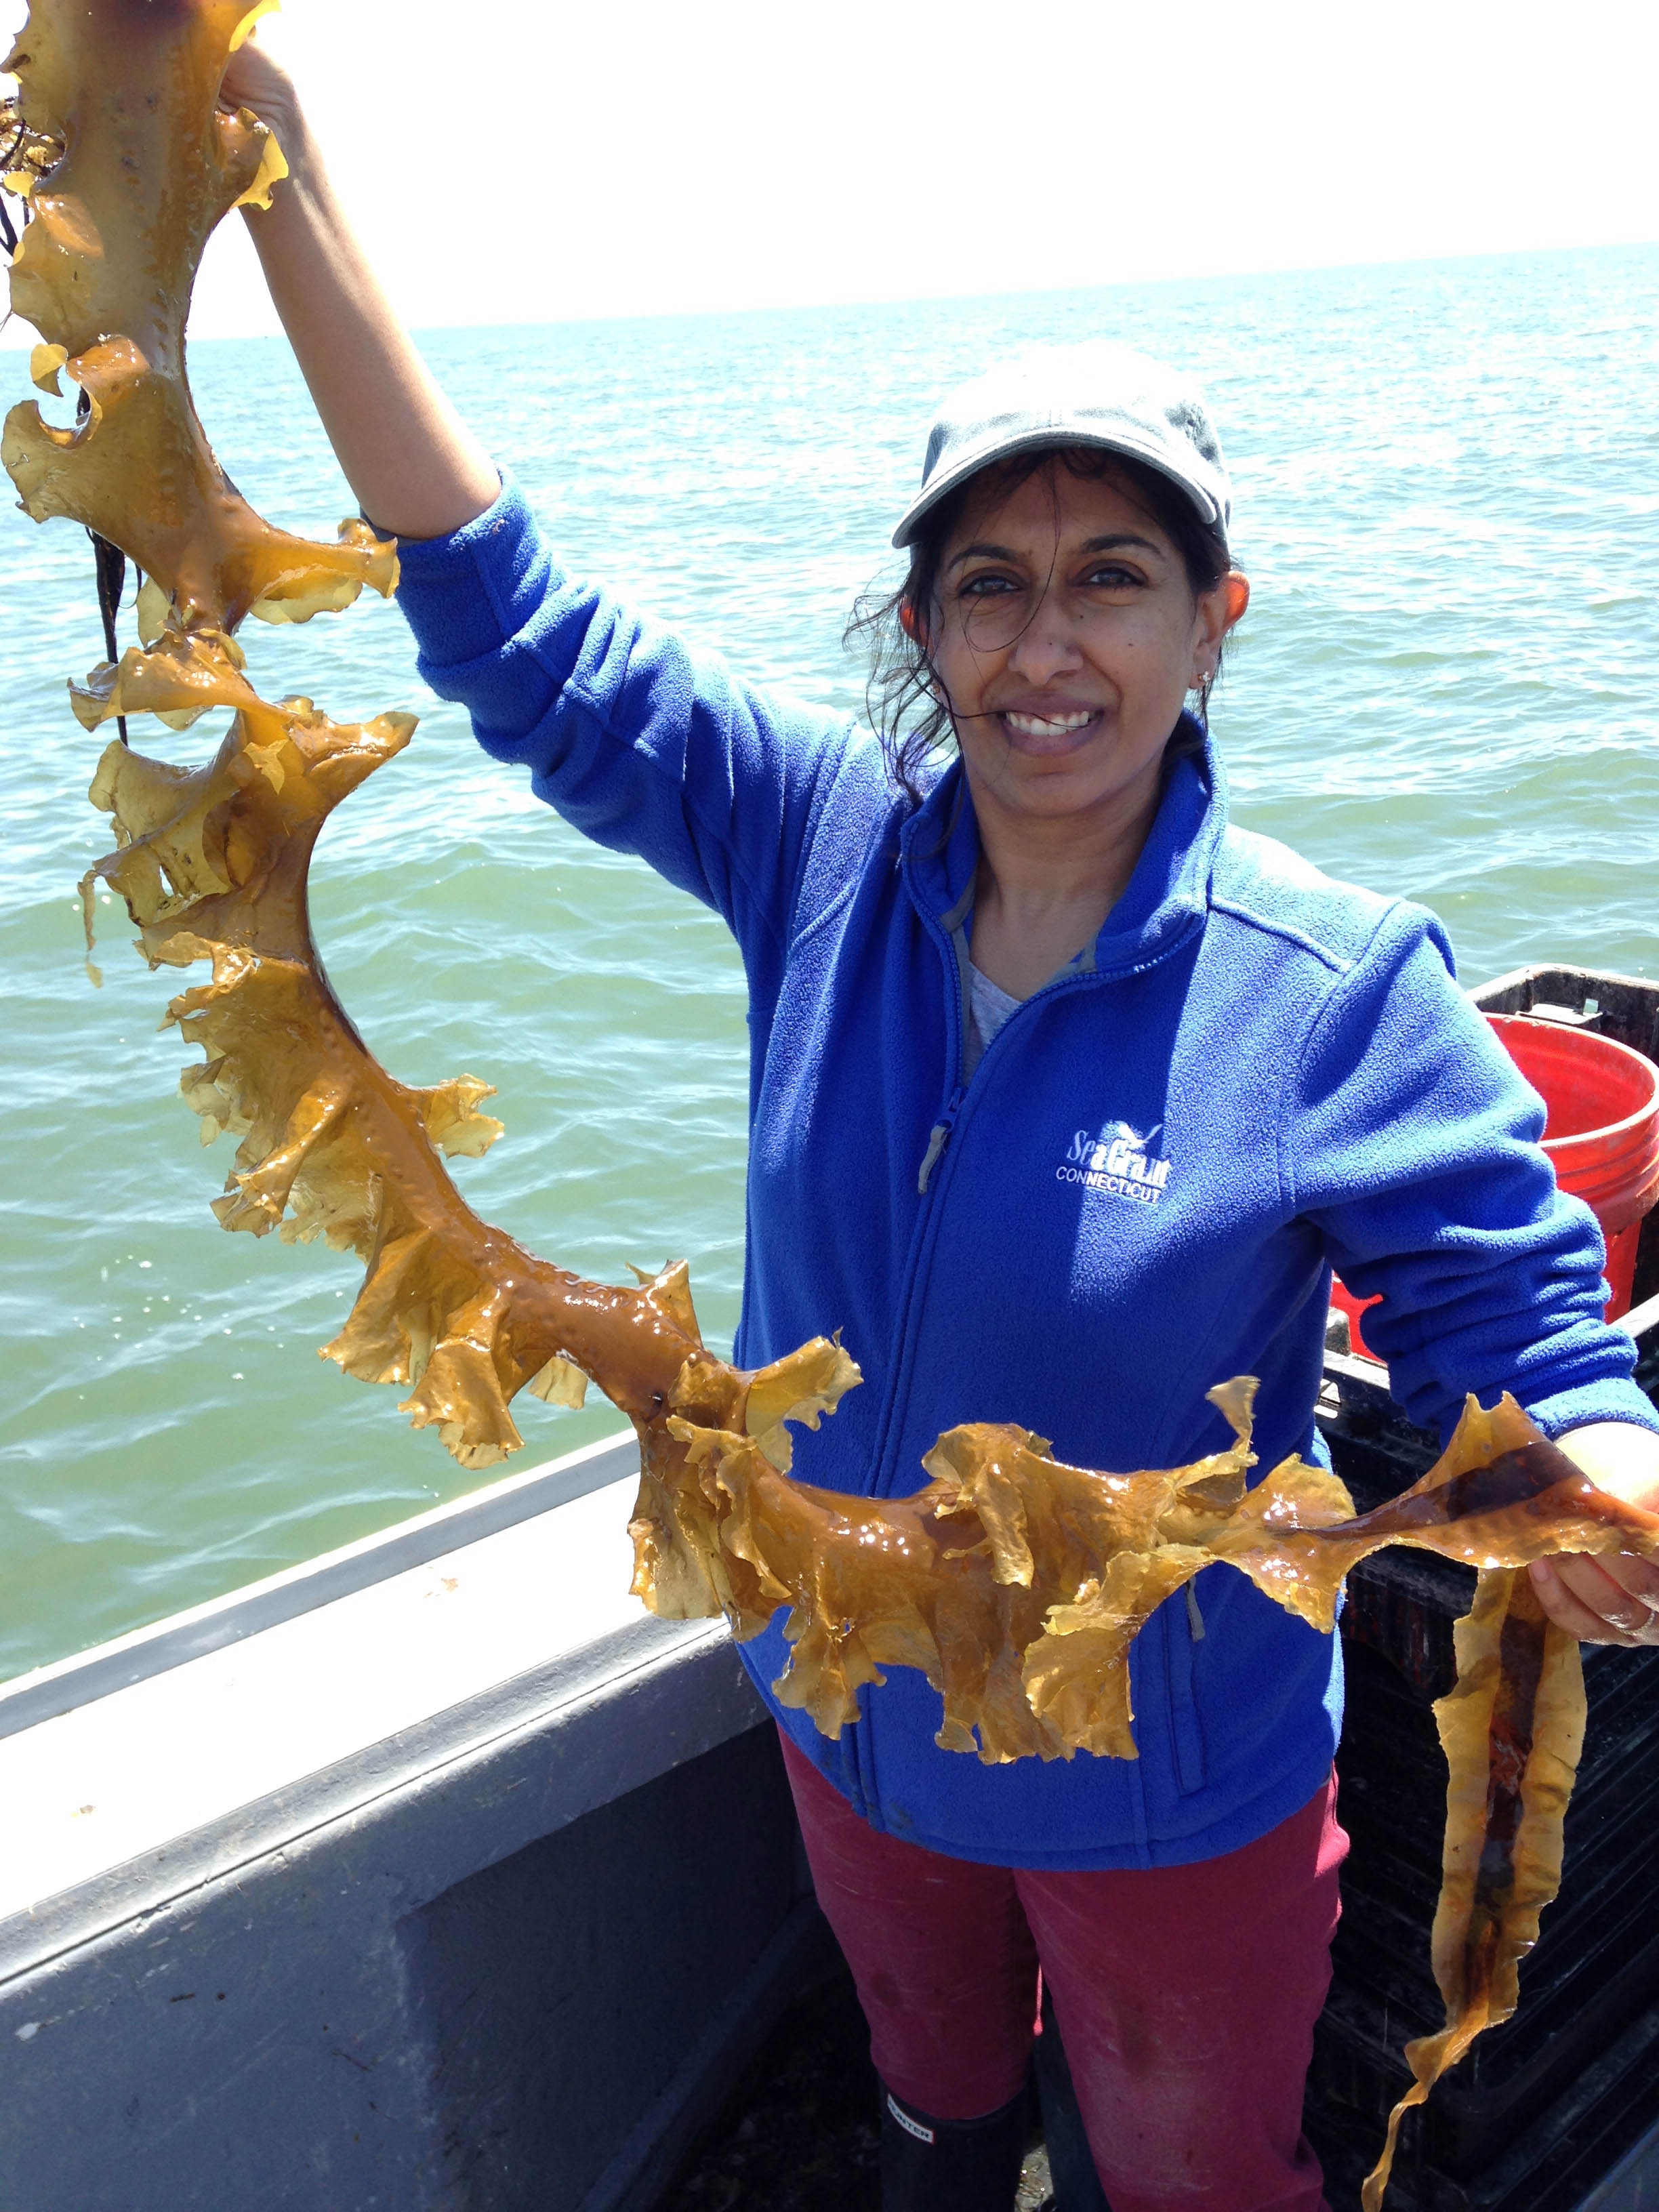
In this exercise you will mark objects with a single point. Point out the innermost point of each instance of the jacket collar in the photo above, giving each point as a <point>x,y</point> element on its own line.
<point>1167,894</point>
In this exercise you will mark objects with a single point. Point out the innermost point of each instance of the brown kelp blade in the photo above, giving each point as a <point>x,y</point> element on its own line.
<point>1512,1730</point>
<point>1014,1583</point>
<point>1499,1495</point>
<point>150,163</point>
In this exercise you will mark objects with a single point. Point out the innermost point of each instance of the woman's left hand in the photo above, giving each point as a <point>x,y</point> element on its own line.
<point>1614,1600</point>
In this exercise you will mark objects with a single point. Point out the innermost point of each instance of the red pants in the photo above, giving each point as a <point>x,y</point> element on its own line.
<point>1186,1995</point>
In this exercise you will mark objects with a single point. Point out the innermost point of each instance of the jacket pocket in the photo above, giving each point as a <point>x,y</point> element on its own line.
<point>1182,1616</point>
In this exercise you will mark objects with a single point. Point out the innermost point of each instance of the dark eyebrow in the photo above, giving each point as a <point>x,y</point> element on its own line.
<point>1115,538</point>
<point>1110,543</point>
<point>982,551</point>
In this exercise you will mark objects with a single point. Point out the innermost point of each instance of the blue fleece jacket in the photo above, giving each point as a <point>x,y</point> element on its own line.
<point>1251,1075</point>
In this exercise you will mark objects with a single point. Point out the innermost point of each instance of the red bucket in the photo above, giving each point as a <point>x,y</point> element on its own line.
<point>1600,1129</point>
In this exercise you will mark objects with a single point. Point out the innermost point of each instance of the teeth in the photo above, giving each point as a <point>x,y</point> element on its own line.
<point>1041,725</point>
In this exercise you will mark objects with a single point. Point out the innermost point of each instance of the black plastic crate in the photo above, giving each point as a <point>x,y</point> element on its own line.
<point>1542,2108</point>
<point>1550,2165</point>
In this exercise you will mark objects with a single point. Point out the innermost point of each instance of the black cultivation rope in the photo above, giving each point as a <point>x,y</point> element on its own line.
<point>23,149</point>
<point>110,563</point>
<point>11,153</point>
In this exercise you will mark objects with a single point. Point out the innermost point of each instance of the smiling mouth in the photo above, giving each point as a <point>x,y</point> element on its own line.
<point>1049,725</point>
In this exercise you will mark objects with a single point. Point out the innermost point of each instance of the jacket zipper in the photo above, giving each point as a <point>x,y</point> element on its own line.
<point>939,1136</point>
<point>939,1140</point>
<point>937,1145</point>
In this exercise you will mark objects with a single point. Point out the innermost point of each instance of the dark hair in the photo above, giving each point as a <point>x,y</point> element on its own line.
<point>903,694</point>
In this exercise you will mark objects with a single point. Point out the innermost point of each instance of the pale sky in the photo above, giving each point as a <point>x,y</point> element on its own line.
<point>513,160</point>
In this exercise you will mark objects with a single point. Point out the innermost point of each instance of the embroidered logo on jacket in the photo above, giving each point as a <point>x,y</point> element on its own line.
<point>1119,1161</point>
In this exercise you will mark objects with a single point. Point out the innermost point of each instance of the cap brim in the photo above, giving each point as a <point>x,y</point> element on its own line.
<point>1035,441</point>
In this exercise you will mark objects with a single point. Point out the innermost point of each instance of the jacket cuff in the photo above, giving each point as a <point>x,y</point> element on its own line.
<point>466,595</point>
<point>1607,1400</point>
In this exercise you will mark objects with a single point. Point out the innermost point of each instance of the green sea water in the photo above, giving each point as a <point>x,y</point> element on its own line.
<point>1447,500</point>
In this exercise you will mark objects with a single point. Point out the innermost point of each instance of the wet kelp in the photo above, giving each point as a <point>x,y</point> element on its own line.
<point>104,272</point>
<point>1014,1583</point>
<point>132,163</point>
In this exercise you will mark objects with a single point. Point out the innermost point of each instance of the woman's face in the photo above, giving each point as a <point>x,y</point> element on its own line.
<point>1067,635</point>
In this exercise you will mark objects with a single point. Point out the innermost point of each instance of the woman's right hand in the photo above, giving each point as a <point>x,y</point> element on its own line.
<point>256,80</point>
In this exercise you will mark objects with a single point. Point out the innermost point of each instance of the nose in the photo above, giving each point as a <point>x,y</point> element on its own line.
<point>1048,645</point>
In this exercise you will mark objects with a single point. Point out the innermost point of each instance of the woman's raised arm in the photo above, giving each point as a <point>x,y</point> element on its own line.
<point>415,468</point>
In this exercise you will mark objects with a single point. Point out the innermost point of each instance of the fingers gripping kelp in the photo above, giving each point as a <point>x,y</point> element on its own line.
<point>1015,1583</point>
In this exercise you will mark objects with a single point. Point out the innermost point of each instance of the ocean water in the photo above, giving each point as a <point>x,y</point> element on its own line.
<point>1447,500</point>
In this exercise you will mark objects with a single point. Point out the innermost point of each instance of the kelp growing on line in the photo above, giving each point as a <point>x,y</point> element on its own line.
<point>1014,1583</point>
<point>133,163</point>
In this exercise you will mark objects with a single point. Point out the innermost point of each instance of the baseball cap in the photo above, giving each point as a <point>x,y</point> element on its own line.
<point>1098,393</point>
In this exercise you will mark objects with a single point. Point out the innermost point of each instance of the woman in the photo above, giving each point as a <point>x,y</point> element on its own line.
<point>1064,1096</point>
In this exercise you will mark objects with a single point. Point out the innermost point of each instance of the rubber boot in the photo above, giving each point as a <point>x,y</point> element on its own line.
<point>1073,2176</point>
<point>929,2165</point>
